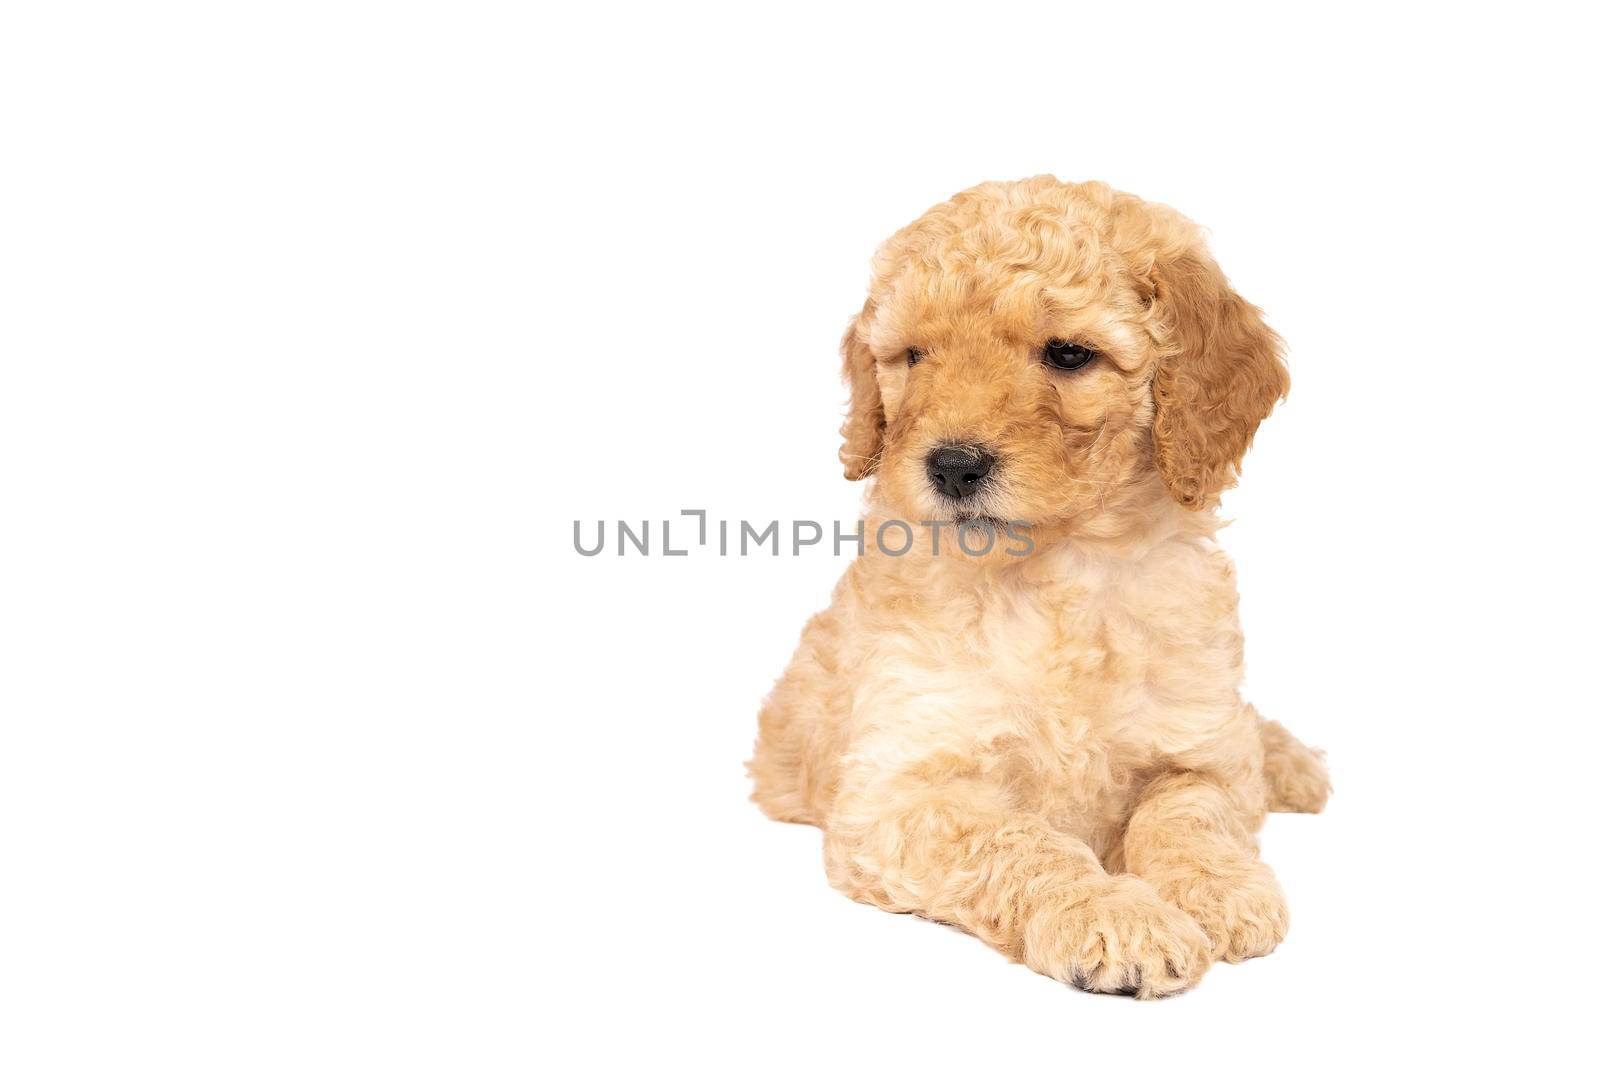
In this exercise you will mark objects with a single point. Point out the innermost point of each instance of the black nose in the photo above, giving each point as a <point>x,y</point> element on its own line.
<point>957,471</point>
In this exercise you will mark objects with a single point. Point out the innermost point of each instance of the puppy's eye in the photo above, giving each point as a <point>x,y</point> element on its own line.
<point>1064,355</point>
<point>914,356</point>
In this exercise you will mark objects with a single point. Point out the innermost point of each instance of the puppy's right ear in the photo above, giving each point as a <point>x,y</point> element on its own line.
<point>863,426</point>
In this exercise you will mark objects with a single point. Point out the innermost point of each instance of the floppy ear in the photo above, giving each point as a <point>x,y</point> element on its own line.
<point>863,426</point>
<point>1221,374</point>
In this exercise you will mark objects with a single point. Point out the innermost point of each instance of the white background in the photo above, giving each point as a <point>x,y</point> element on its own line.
<point>323,323</point>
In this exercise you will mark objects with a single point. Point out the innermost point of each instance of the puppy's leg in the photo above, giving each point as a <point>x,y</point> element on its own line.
<point>949,847</point>
<point>1188,838</point>
<point>1296,778</point>
<point>794,760</point>
<point>778,768</point>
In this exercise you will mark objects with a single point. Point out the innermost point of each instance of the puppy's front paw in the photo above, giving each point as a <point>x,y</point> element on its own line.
<point>1238,904</point>
<point>1119,937</point>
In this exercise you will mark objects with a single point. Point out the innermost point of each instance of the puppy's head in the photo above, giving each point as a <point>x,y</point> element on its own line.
<point>1028,349</point>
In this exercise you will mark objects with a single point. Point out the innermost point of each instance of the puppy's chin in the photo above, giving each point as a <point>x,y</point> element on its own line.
<point>986,509</point>
<point>980,509</point>
<point>977,530</point>
<point>1017,517</point>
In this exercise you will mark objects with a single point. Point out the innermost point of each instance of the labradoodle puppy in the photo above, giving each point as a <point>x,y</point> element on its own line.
<point>1043,742</point>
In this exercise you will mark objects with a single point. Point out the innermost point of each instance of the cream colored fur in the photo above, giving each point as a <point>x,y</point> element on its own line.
<point>1050,751</point>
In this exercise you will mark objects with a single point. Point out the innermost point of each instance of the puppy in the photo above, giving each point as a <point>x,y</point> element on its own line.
<point>1044,743</point>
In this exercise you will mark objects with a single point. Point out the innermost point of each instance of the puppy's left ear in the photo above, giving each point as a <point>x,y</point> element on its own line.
<point>1220,375</point>
<point>863,426</point>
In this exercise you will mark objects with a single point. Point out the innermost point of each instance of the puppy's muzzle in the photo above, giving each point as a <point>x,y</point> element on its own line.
<point>959,470</point>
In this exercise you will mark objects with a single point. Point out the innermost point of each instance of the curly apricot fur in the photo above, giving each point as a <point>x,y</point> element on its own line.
<point>1048,750</point>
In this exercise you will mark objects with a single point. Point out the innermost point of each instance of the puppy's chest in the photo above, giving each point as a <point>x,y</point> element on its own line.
<point>1098,673</point>
<point>1070,651</point>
